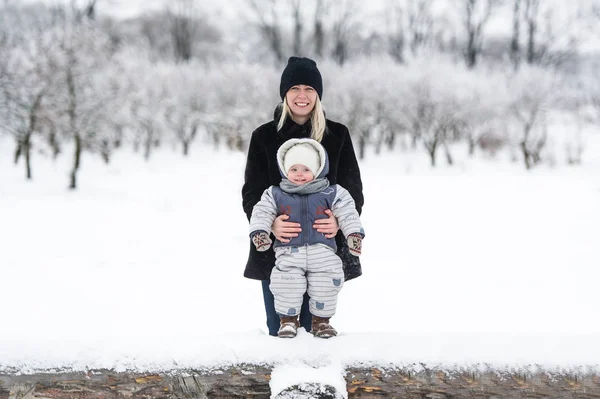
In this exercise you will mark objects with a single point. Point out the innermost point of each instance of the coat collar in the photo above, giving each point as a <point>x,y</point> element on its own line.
<point>290,128</point>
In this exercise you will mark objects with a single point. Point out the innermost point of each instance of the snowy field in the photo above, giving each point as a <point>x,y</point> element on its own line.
<point>482,264</point>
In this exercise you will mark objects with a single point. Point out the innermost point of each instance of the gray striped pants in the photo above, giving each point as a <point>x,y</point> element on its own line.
<point>315,269</point>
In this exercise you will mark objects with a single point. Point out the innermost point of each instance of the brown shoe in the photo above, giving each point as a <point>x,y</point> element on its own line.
<point>288,327</point>
<point>321,327</point>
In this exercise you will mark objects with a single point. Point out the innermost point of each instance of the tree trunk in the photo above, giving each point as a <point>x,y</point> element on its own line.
<point>531,43</point>
<point>414,141</point>
<point>319,30</point>
<point>76,162</point>
<point>514,44</point>
<point>53,142</point>
<point>182,35</point>
<point>391,140</point>
<point>27,151</point>
<point>298,28</point>
<point>526,156</point>
<point>471,51</point>
<point>18,152</point>
<point>118,137</point>
<point>432,149</point>
<point>524,146</point>
<point>105,151</point>
<point>531,11</point>
<point>339,51</point>
<point>449,158</point>
<point>362,143</point>
<point>148,143</point>
<point>319,39</point>
<point>274,37</point>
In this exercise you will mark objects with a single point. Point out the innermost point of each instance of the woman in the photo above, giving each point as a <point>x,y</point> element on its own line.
<point>300,115</point>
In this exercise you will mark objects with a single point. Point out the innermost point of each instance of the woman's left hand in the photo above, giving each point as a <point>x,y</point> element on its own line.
<point>328,226</point>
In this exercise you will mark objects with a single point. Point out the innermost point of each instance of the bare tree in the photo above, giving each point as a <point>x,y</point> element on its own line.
<point>297,6</point>
<point>342,29</point>
<point>420,23</point>
<point>477,14</point>
<point>431,119</point>
<point>411,25</point>
<point>147,110</point>
<point>30,85</point>
<point>532,92</point>
<point>268,23</point>
<point>183,29</point>
<point>85,54</point>
<point>396,35</point>
<point>515,47</point>
<point>185,110</point>
<point>531,19</point>
<point>553,39</point>
<point>321,9</point>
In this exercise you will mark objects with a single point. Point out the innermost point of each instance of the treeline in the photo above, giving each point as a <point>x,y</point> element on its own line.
<point>71,81</point>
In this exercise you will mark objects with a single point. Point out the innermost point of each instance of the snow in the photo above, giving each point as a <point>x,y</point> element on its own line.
<point>477,265</point>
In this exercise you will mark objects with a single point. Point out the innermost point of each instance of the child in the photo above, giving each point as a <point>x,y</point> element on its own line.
<point>307,263</point>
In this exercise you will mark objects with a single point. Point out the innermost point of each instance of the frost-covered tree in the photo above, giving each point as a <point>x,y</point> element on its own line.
<point>431,108</point>
<point>410,26</point>
<point>554,33</point>
<point>361,112</point>
<point>476,16</point>
<point>186,105</point>
<point>268,18</point>
<point>29,88</point>
<point>485,102</point>
<point>532,96</point>
<point>190,31</point>
<point>344,28</point>
<point>515,45</point>
<point>85,53</point>
<point>241,98</point>
<point>321,9</point>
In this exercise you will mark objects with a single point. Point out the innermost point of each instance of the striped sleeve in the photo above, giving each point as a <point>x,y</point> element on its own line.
<point>344,209</point>
<point>264,213</point>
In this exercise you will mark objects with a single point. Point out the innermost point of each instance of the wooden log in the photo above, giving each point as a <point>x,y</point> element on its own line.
<point>244,381</point>
<point>252,382</point>
<point>404,383</point>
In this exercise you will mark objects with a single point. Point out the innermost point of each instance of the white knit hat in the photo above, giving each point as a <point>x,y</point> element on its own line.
<point>302,154</point>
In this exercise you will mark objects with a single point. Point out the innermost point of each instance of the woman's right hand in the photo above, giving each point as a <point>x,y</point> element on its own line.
<point>283,230</point>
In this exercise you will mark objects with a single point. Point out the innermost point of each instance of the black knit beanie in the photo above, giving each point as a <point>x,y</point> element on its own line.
<point>301,71</point>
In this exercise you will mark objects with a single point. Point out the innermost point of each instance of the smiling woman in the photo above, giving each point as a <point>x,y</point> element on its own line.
<point>301,100</point>
<point>300,115</point>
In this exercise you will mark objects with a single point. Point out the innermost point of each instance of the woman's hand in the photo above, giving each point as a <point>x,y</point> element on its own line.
<point>328,226</point>
<point>283,230</point>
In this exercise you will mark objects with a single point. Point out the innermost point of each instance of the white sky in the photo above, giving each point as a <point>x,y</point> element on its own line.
<point>373,13</point>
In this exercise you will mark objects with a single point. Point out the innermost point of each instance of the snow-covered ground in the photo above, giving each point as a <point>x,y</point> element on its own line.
<point>141,268</point>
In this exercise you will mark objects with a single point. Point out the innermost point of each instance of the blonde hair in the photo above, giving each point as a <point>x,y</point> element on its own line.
<point>317,119</point>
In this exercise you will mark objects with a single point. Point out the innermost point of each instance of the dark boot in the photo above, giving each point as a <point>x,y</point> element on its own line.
<point>288,326</point>
<point>321,327</point>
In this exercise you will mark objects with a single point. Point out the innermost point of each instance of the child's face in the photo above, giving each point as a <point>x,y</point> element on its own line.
<point>300,174</point>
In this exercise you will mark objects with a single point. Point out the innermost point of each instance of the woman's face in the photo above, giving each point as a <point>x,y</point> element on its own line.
<point>301,99</point>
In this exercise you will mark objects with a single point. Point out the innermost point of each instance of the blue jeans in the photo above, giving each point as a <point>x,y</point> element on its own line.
<point>273,317</point>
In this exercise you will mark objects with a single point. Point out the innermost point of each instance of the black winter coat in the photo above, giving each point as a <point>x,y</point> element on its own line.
<point>262,172</point>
